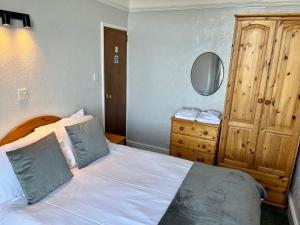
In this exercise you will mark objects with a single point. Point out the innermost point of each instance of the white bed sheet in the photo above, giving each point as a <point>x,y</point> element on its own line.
<point>127,187</point>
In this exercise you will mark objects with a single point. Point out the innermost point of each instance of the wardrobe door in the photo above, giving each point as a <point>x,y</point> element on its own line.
<point>245,92</point>
<point>280,125</point>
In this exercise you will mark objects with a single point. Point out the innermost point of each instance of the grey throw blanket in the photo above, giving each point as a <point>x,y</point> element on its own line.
<point>215,196</point>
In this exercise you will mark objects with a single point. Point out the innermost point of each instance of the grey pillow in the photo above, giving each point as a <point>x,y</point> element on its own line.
<point>88,141</point>
<point>40,168</point>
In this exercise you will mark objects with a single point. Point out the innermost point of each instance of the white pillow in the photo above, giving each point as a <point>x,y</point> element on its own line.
<point>72,121</point>
<point>73,117</point>
<point>10,187</point>
<point>79,114</point>
<point>62,135</point>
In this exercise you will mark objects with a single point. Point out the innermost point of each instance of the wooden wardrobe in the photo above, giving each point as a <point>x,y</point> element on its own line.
<point>261,124</point>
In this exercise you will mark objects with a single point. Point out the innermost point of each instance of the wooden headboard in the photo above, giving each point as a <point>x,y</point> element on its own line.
<point>27,128</point>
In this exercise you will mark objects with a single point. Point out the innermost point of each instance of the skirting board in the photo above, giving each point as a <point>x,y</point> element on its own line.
<point>293,211</point>
<point>151,148</point>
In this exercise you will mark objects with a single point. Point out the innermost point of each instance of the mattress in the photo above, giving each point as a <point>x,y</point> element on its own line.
<point>127,187</point>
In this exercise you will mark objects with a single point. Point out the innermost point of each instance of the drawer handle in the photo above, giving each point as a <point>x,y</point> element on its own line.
<point>181,128</point>
<point>180,141</point>
<point>260,100</point>
<point>204,146</point>
<point>205,133</point>
<point>267,102</point>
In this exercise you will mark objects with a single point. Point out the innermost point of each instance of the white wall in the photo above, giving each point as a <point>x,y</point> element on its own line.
<point>55,59</point>
<point>295,192</point>
<point>162,49</point>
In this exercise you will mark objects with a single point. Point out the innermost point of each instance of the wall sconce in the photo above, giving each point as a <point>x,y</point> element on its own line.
<point>7,16</point>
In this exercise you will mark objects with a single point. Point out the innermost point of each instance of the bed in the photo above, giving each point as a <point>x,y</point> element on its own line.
<point>135,187</point>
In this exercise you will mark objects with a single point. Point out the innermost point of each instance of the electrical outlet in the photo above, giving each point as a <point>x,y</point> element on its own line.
<point>23,94</point>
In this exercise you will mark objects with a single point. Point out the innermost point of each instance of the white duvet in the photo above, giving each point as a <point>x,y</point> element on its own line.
<point>127,187</point>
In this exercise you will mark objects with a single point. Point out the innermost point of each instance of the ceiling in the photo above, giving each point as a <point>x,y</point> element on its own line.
<point>159,5</point>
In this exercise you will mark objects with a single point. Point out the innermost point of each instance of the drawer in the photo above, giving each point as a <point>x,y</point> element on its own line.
<point>192,155</point>
<point>276,186</point>
<point>276,199</point>
<point>263,178</point>
<point>195,130</point>
<point>197,144</point>
<point>276,189</point>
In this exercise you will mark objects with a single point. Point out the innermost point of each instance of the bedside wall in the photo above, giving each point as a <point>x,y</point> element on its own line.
<point>55,59</point>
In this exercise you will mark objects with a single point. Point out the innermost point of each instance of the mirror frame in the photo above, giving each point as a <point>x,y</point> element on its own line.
<point>221,80</point>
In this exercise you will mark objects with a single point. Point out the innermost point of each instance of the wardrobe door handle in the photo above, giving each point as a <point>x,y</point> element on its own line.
<point>260,100</point>
<point>108,96</point>
<point>181,128</point>
<point>267,102</point>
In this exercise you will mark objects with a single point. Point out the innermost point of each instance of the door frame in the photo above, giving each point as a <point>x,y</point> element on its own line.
<point>102,105</point>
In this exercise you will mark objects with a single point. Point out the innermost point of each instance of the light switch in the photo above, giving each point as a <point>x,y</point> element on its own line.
<point>94,77</point>
<point>23,94</point>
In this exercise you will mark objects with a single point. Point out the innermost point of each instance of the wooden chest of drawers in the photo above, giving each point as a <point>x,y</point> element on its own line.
<point>194,141</point>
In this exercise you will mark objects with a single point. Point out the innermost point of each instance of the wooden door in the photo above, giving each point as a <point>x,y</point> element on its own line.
<point>251,55</point>
<point>115,60</point>
<point>280,125</point>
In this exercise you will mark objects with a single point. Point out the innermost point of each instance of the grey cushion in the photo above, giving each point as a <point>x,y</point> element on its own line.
<point>40,168</point>
<point>88,141</point>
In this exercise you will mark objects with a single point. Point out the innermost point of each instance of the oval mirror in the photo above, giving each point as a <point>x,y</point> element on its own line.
<point>207,73</point>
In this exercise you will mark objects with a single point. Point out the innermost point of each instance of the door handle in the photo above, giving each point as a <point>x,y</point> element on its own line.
<point>260,100</point>
<point>108,96</point>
